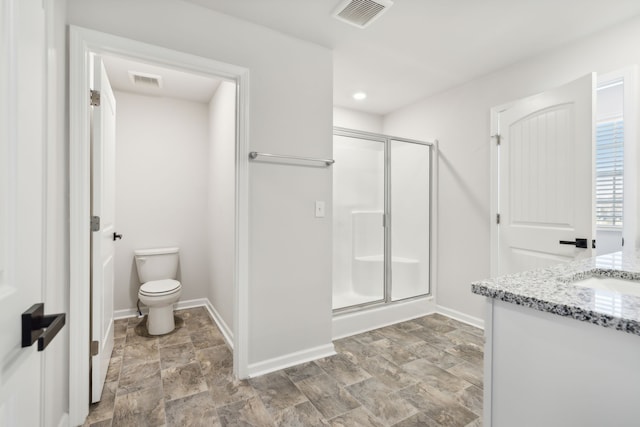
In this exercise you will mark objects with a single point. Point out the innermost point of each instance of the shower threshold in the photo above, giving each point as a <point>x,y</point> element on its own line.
<point>349,299</point>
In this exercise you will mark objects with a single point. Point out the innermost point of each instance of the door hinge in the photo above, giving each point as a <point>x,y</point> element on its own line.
<point>94,98</point>
<point>95,348</point>
<point>95,223</point>
<point>497,137</point>
<point>497,218</point>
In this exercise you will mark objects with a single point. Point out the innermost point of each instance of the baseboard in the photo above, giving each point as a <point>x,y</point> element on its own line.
<point>227,333</point>
<point>457,315</point>
<point>126,313</point>
<point>191,303</point>
<point>182,305</point>
<point>288,360</point>
<point>64,420</point>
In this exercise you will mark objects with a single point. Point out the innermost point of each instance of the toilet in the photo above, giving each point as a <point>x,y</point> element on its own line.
<point>157,270</point>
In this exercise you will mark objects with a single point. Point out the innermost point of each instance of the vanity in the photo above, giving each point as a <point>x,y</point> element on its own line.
<point>562,345</point>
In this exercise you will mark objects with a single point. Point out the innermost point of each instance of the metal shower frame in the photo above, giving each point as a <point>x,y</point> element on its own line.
<point>388,285</point>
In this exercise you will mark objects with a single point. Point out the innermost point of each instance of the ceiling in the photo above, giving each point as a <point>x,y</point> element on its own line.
<point>422,47</point>
<point>174,83</point>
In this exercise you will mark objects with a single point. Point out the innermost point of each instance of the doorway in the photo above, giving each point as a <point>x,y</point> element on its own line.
<point>83,45</point>
<point>544,168</point>
<point>175,157</point>
<point>615,160</point>
<point>544,178</point>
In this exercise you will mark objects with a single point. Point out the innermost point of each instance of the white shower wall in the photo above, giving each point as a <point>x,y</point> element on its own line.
<point>410,207</point>
<point>358,186</point>
<point>359,200</point>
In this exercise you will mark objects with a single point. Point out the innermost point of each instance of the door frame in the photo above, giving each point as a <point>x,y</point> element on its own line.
<point>494,183</point>
<point>82,44</point>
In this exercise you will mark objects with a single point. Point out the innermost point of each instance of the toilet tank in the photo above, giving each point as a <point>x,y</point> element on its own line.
<point>156,263</point>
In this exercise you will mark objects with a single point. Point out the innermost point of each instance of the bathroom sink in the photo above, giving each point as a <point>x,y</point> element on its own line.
<point>611,284</point>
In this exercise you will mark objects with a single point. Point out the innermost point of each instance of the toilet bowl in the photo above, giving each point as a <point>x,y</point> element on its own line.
<point>159,296</point>
<point>157,270</point>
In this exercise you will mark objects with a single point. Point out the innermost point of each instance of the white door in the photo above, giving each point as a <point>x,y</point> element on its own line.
<point>22,119</point>
<point>545,179</point>
<point>103,140</point>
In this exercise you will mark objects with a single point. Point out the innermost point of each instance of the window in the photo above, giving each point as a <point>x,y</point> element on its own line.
<point>610,157</point>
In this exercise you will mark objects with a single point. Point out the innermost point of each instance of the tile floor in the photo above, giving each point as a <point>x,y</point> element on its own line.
<point>424,372</point>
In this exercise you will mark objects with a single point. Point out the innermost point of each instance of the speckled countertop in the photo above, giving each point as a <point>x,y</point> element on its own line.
<point>550,290</point>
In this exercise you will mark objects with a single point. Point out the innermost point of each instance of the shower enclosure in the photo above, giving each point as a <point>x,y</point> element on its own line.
<point>382,189</point>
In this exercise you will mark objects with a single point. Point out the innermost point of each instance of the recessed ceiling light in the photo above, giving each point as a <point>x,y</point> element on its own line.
<point>359,96</point>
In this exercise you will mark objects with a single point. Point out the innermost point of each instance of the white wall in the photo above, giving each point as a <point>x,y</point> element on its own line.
<point>221,201</point>
<point>357,120</point>
<point>176,186</point>
<point>459,119</point>
<point>290,113</point>
<point>162,150</point>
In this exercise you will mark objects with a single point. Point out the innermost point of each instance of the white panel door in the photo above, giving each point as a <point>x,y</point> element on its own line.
<point>103,140</point>
<point>546,177</point>
<point>22,119</point>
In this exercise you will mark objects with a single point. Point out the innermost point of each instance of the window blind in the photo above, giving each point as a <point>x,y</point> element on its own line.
<point>609,172</point>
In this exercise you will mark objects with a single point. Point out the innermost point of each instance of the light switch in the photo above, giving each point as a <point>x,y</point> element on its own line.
<point>319,209</point>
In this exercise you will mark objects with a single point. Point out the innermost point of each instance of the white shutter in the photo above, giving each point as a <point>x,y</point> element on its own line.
<point>609,172</point>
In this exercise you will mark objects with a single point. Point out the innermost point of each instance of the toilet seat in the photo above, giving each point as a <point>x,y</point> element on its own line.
<point>157,288</point>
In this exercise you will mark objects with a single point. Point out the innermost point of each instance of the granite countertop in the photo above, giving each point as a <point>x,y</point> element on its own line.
<point>550,290</point>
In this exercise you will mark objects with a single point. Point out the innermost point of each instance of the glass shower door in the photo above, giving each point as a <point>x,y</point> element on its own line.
<point>358,212</point>
<point>410,167</point>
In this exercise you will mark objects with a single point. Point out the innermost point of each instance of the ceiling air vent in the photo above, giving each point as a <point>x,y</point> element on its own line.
<point>144,79</point>
<point>361,13</point>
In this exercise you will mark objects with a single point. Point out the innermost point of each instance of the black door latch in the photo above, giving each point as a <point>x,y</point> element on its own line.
<point>38,327</point>
<point>579,243</point>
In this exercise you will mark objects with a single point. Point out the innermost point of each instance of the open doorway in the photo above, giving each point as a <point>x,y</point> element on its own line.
<point>85,46</point>
<point>172,185</point>
<point>542,179</point>
<point>546,172</point>
<point>615,153</point>
<point>175,168</point>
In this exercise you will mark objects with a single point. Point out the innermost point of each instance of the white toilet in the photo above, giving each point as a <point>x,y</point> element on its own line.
<point>157,270</point>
